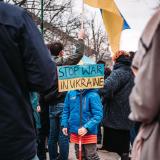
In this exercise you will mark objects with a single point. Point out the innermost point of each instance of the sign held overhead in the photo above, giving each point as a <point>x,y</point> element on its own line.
<point>80,77</point>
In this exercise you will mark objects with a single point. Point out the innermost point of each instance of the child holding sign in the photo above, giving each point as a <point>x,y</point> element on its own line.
<point>91,116</point>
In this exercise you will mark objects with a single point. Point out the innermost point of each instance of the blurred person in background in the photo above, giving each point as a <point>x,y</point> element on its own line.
<point>144,99</point>
<point>117,88</point>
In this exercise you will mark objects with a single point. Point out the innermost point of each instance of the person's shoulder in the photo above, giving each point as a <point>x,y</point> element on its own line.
<point>11,14</point>
<point>121,70</point>
<point>93,92</point>
<point>12,9</point>
<point>117,74</point>
<point>151,28</point>
<point>72,93</point>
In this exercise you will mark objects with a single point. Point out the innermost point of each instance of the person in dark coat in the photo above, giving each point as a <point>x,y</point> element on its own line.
<point>56,137</point>
<point>144,99</point>
<point>26,66</point>
<point>116,90</point>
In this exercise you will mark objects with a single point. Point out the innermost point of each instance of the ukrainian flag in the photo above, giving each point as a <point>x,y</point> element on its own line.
<point>113,20</point>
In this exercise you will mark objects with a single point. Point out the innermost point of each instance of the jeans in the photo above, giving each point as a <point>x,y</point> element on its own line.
<point>43,131</point>
<point>44,117</point>
<point>41,148</point>
<point>56,137</point>
<point>99,135</point>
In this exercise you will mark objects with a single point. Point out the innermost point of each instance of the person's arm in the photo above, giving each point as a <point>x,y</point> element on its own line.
<point>74,58</point>
<point>96,110</point>
<point>40,70</point>
<point>145,97</point>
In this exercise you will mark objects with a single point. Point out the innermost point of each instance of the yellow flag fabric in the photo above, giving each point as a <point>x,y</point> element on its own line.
<point>112,18</point>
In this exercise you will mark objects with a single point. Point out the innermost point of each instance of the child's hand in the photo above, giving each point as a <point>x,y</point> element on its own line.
<point>65,131</point>
<point>38,109</point>
<point>82,131</point>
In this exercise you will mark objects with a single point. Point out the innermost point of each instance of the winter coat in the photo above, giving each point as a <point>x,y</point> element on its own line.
<point>145,96</point>
<point>91,111</point>
<point>116,92</point>
<point>25,66</point>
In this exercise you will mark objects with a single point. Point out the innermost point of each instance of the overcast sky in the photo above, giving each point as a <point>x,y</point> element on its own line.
<point>137,14</point>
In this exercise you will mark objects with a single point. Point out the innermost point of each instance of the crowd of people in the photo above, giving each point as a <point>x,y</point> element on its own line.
<point>34,115</point>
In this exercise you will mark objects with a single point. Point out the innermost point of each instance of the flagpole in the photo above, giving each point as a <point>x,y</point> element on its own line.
<point>82,15</point>
<point>81,106</point>
<point>80,137</point>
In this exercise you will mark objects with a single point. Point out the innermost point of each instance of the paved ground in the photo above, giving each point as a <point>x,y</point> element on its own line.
<point>104,155</point>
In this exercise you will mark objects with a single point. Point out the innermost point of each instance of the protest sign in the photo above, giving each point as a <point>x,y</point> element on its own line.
<point>80,77</point>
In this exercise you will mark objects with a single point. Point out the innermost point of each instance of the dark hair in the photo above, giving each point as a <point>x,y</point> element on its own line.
<point>124,59</point>
<point>100,62</point>
<point>55,48</point>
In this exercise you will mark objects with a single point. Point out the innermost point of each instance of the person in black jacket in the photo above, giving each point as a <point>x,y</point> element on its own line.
<point>25,66</point>
<point>116,90</point>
